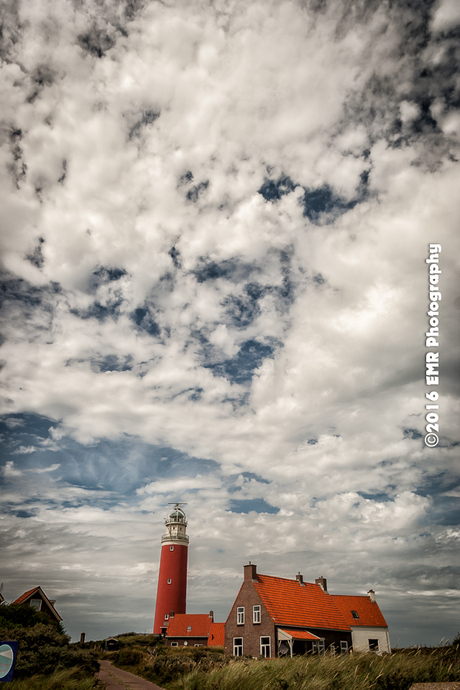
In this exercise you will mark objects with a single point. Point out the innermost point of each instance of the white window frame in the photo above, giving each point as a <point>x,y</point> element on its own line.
<point>174,644</point>
<point>171,548</point>
<point>240,615</point>
<point>237,647</point>
<point>169,580</point>
<point>185,643</point>
<point>318,646</point>
<point>265,646</point>
<point>256,614</point>
<point>36,604</point>
<point>343,647</point>
<point>166,616</point>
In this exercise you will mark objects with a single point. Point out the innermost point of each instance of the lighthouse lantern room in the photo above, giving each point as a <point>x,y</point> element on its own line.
<point>172,576</point>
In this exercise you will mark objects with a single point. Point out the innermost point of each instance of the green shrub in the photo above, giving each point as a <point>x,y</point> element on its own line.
<point>43,645</point>
<point>128,657</point>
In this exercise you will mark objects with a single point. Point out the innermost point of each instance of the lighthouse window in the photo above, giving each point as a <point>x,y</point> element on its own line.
<point>171,548</point>
<point>240,615</point>
<point>169,581</point>
<point>166,616</point>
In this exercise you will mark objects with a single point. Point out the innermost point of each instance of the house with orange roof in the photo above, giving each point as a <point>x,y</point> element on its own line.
<point>274,616</point>
<point>37,598</point>
<point>194,630</point>
<point>369,630</point>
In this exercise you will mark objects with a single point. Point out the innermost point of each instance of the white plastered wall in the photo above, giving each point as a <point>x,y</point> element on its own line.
<point>361,635</point>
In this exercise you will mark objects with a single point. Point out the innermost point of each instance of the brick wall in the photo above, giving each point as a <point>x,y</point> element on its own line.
<point>250,632</point>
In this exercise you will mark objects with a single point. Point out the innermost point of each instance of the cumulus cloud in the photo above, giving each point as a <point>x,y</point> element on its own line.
<point>216,220</point>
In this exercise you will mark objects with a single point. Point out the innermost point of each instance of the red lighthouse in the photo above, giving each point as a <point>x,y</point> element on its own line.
<point>172,578</point>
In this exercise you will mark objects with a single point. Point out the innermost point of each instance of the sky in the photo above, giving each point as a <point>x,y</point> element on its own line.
<point>216,218</point>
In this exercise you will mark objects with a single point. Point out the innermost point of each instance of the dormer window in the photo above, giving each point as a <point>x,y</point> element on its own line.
<point>189,628</point>
<point>355,614</point>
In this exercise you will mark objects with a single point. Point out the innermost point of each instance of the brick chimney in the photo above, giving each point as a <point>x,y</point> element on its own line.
<point>299,578</point>
<point>250,572</point>
<point>322,582</point>
<point>371,595</point>
<point>211,615</point>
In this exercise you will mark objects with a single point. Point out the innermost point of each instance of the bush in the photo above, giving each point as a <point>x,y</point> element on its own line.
<point>43,645</point>
<point>128,657</point>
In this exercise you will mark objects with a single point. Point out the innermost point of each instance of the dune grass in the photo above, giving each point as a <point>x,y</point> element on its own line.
<point>65,679</point>
<point>396,671</point>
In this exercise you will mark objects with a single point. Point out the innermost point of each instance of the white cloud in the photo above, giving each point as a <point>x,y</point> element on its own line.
<point>143,151</point>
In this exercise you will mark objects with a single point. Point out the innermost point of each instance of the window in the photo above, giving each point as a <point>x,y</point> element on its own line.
<point>343,647</point>
<point>265,647</point>
<point>166,617</point>
<point>198,645</point>
<point>189,627</point>
<point>318,646</point>
<point>240,615</point>
<point>256,614</point>
<point>185,643</point>
<point>174,644</point>
<point>373,645</point>
<point>237,646</point>
<point>36,604</point>
<point>355,614</point>
<point>169,581</point>
<point>171,548</point>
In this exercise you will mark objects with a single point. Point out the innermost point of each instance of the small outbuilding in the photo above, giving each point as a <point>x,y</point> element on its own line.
<point>194,630</point>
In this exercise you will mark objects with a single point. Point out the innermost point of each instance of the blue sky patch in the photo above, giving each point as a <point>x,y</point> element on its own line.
<point>273,190</point>
<point>240,369</point>
<point>257,505</point>
<point>144,320</point>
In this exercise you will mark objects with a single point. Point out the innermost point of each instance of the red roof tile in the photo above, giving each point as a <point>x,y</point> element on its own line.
<point>216,635</point>
<point>368,611</point>
<point>307,605</point>
<point>199,624</point>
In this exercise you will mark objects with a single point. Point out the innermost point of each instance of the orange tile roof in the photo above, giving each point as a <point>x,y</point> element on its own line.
<point>216,635</point>
<point>290,603</point>
<point>300,634</point>
<point>198,622</point>
<point>368,611</point>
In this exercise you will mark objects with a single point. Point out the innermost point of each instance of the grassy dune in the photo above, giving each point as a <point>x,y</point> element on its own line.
<point>209,669</point>
<point>65,679</point>
<point>355,672</point>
